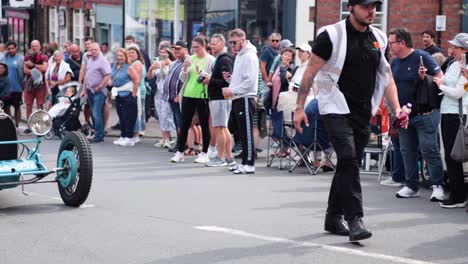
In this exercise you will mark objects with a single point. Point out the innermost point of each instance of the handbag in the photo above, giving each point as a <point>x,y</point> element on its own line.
<point>459,151</point>
<point>426,95</point>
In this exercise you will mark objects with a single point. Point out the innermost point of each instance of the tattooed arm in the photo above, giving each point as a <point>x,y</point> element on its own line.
<point>315,64</point>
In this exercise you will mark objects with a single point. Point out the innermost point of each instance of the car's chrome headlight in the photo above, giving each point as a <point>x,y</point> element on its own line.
<point>40,122</point>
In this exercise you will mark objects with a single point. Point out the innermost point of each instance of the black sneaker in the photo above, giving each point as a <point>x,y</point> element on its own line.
<point>449,203</point>
<point>173,149</point>
<point>27,131</point>
<point>236,148</point>
<point>95,140</point>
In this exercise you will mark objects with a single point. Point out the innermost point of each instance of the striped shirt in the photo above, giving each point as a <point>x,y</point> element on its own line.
<point>172,84</point>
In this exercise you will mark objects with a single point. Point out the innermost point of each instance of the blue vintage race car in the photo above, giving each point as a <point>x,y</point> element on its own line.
<point>74,169</point>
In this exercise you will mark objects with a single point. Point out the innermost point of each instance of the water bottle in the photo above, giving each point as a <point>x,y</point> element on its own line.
<point>405,111</point>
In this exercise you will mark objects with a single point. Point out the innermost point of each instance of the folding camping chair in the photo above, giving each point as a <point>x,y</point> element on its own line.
<point>314,138</point>
<point>381,147</point>
<point>277,137</point>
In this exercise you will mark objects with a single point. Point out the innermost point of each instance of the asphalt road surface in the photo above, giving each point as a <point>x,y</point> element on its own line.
<point>143,209</point>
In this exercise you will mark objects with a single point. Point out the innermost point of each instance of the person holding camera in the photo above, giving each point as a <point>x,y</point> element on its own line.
<point>195,97</point>
<point>160,69</point>
<point>452,86</point>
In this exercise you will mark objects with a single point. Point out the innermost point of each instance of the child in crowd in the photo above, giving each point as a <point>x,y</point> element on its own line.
<point>61,107</point>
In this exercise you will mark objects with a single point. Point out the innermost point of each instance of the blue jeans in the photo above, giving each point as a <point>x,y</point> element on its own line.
<point>177,114</point>
<point>97,101</point>
<point>421,135</point>
<point>398,167</point>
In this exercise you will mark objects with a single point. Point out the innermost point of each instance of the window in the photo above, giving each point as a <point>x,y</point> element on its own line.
<point>53,24</point>
<point>78,27</point>
<point>380,19</point>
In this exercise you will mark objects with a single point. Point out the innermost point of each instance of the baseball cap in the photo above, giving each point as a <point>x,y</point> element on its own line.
<point>363,2</point>
<point>460,40</point>
<point>180,44</point>
<point>285,43</point>
<point>305,47</point>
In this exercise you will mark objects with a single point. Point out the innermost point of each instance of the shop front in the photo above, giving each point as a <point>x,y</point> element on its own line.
<point>152,21</point>
<point>19,26</point>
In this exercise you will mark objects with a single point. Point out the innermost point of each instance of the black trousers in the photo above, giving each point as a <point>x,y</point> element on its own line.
<point>189,105</point>
<point>348,138</point>
<point>449,125</point>
<point>243,110</point>
<point>127,111</point>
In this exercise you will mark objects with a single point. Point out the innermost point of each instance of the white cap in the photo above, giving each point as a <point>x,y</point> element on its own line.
<point>305,47</point>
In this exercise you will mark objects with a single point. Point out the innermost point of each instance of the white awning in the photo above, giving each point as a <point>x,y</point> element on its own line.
<point>131,25</point>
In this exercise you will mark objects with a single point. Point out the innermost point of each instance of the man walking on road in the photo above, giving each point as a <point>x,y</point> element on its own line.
<point>243,89</point>
<point>351,87</point>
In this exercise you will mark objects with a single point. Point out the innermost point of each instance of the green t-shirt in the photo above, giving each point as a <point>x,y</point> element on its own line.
<point>193,89</point>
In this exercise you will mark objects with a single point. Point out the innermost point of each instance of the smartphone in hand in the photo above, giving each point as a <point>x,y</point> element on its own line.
<point>463,61</point>
<point>421,62</point>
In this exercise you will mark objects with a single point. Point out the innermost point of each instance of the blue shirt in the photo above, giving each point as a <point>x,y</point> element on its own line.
<point>405,73</point>
<point>268,55</point>
<point>15,72</point>
<point>120,77</point>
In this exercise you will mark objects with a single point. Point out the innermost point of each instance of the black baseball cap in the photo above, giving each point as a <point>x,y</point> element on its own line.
<point>180,44</point>
<point>363,2</point>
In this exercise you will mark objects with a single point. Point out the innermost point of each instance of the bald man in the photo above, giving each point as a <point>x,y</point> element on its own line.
<point>38,61</point>
<point>96,77</point>
<point>74,60</point>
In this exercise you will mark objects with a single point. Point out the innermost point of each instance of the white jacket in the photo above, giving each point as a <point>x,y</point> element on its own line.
<point>64,68</point>
<point>331,99</point>
<point>244,79</point>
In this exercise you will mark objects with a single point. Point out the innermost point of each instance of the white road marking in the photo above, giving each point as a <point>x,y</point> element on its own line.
<point>308,244</point>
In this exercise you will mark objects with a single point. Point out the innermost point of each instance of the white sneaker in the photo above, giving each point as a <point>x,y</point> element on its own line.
<point>202,158</point>
<point>438,194</point>
<point>141,133</point>
<point>391,182</point>
<point>407,192</point>
<point>178,157</point>
<point>136,139</point>
<point>127,142</point>
<point>167,144</point>
<point>118,141</point>
<point>212,153</point>
<point>159,144</point>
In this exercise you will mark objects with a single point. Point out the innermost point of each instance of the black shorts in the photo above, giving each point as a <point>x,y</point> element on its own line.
<point>14,99</point>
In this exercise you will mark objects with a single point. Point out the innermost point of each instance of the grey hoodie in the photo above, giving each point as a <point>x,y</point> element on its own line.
<point>244,79</point>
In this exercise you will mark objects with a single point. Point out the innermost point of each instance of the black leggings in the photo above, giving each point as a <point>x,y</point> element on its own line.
<point>189,105</point>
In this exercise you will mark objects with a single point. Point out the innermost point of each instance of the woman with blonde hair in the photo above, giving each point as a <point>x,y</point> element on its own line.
<point>124,82</point>
<point>136,61</point>
<point>58,73</point>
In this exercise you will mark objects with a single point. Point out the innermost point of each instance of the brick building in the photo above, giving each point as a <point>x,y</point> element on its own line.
<point>62,20</point>
<point>416,15</point>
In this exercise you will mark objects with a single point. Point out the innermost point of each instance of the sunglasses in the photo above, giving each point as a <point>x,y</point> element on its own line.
<point>275,40</point>
<point>232,42</point>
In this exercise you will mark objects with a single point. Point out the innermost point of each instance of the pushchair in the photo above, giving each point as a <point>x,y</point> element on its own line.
<point>70,120</point>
